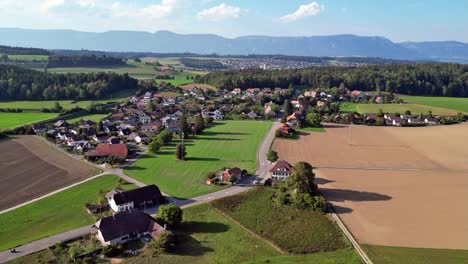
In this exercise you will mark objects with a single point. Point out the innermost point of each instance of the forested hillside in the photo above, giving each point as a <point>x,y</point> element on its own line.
<point>22,51</point>
<point>413,79</point>
<point>23,84</point>
<point>83,61</point>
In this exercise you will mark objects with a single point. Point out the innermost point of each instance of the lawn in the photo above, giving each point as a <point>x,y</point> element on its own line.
<point>401,108</point>
<point>12,120</point>
<point>348,107</point>
<point>454,103</point>
<point>342,256</point>
<point>92,117</point>
<point>388,255</point>
<point>209,237</point>
<point>295,231</point>
<point>180,79</point>
<point>55,214</point>
<point>312,129</point>
<point>226,144</point>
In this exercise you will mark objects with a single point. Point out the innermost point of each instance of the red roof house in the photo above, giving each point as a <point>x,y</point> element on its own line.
<point>238,173</point>
<point>106,150</point>
<point>281,170</point>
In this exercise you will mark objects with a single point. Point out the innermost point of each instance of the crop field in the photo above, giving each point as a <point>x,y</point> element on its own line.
<point>390,255</point>
<point>293,230</point>
<point>226,144</point>
<point>209,237</point>
<point>29,57</point>
<point>402,187</point>
<point>135,69</point>
<point>31,168</point>
<point>55,214</point>
<point>12,120</point>
<point>399,108</point>
<point>454,103</point>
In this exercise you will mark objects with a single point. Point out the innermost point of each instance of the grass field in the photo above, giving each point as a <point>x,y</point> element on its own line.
<point>209,237</point>
<point>312,129</point>
<point>29,57</point>
<point>66,104</point>
<point>399,108</point>
<point>348,107</point>
<point>92,117</point>
<point>55,214</point>
<point>342,256</point>
<point>390,255</point>
<point>12,120</point>
<point>295,231</point>
<point>179,80</point>
<point>135,69</point>
<point>454,103</point>
<point>226,144</point>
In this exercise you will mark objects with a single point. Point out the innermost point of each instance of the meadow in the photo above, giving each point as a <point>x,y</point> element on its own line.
<point>93,117</point>
<point>209,237</point>
<point>225,144</point>
<point>29,57</point>
<point>55,214</point>
<point>295,231</point>
<point>389,255</point>
<point>12,120</point>
<point>454,103</point>
<point>396,108</point>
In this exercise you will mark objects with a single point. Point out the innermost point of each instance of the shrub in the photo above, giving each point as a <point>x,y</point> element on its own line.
<point>171,214</point>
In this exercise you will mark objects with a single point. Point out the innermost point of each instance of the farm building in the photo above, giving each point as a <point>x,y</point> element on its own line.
<point>120,201</point>
<point>281,170</point>
<point>106,150</point>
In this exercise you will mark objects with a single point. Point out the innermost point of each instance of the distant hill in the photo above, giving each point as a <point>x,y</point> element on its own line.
<point>22,51</point>
<point>169,42</point>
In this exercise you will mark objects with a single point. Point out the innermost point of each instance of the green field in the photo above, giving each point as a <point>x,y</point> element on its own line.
<point>12,120</point>
<point>135,69</point>
<point>209,237</point>
<point>66,104</point>
<point>226,144</point>
<point>94,117</point>
<point>295,231</point>
<point>55,214</point>
<point>342,256</point>
<point>454,103</point>
<point>390,255</point>
<point>348,107</point>
<point>29,57</point>
<point>401,108</point>
<point>312,129</point>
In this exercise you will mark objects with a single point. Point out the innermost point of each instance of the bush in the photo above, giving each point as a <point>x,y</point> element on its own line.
<point>171,214</point>
<point>211,175</point>
<point>163,243</point>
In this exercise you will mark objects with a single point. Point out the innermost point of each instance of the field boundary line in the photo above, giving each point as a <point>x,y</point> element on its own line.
<point>250,231</point>
<point>391,169</point>
<point>347,233</point>
<point>53,192</point>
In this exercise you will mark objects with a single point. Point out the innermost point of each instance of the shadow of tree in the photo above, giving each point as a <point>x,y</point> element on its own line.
<point>191,227</point>
<point>189,246</point>
<point>322,181</point>
<point>342,195</point>
<point>201,159</point>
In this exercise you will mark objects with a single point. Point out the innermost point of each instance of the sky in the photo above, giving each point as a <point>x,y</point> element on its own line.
<point>398,20</point>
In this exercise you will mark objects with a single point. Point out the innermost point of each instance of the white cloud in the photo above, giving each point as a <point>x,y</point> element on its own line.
<point>50,4</point>
<point>220,12</point>
<point>164,9</point>
<point>303,11</point>
<point>86,3</point>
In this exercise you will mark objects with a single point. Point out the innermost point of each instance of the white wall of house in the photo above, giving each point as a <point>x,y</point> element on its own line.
<point>282,176</point>
<point>119,208</point>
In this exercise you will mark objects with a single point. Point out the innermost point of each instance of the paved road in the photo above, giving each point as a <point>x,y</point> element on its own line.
<point>262,171</point>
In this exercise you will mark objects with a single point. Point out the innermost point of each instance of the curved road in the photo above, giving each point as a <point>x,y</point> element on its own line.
<point>262,171</point>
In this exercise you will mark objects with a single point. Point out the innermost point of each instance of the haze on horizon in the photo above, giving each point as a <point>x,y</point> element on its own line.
<point>413,20</point>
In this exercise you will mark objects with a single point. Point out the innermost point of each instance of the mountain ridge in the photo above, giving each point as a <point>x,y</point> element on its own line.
<point>342,45</point>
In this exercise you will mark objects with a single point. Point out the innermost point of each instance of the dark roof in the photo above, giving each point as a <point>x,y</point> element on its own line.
<point>125,223</point>
<point>235,171</point>
<point>282,166</point>
<point>137,196</point>
<point>105,150</point>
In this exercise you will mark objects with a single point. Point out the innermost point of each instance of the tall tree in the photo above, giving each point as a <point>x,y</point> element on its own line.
<point>184,128</point>
<point>181,152</point>
<point>272,155</point>
<point>301,181</point>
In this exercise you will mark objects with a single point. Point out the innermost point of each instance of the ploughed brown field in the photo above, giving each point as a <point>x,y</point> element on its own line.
<point>392,186</point>
<point>30,168</point>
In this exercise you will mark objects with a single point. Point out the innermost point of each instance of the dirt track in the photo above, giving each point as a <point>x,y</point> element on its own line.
<point>424,205</point>
<point>30,168</point>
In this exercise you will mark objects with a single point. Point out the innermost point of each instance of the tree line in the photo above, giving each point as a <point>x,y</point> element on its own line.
<point>23,84</point>
<point>202,64</point>
<point>83,61</point>
<point>441,79</point>
<point>22,51</point>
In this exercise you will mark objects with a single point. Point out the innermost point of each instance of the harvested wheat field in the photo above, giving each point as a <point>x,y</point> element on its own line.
<point>30,168</point>
<point>391,186</point>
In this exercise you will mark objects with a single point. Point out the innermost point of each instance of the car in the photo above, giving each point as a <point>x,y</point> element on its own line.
<point>255,182</point>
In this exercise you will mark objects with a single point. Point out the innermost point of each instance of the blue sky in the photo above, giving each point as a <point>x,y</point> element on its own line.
<point>398,20</point>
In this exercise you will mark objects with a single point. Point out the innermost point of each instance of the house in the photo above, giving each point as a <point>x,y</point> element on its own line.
<point>281,170</point>
<point>101,138</point>
<point>252,115</point>
<point>140,138</point>
<point>120,201</point>
<point>234,172</point>
<point>64,136</point>
<point>379,100</point>
<point>84,146</point>
<point>320,104</point>
<point>414,120</point>
<point>284,128</point>
<point>237,91</point>
<point>431,121</point>
<point>125,226</point>
<point>145,119</point>
<point>113,140</point>
<point>61,123</point>
<point>110,129</point>
<point>310,94</point>
<point>125,132</point>
<point>294,119</point>
<point>269,112</point>
<point>397,121</point>
<point>216,115</point>
<point>357,94</point>
<point>106,150</point>
<point>38,128</point>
